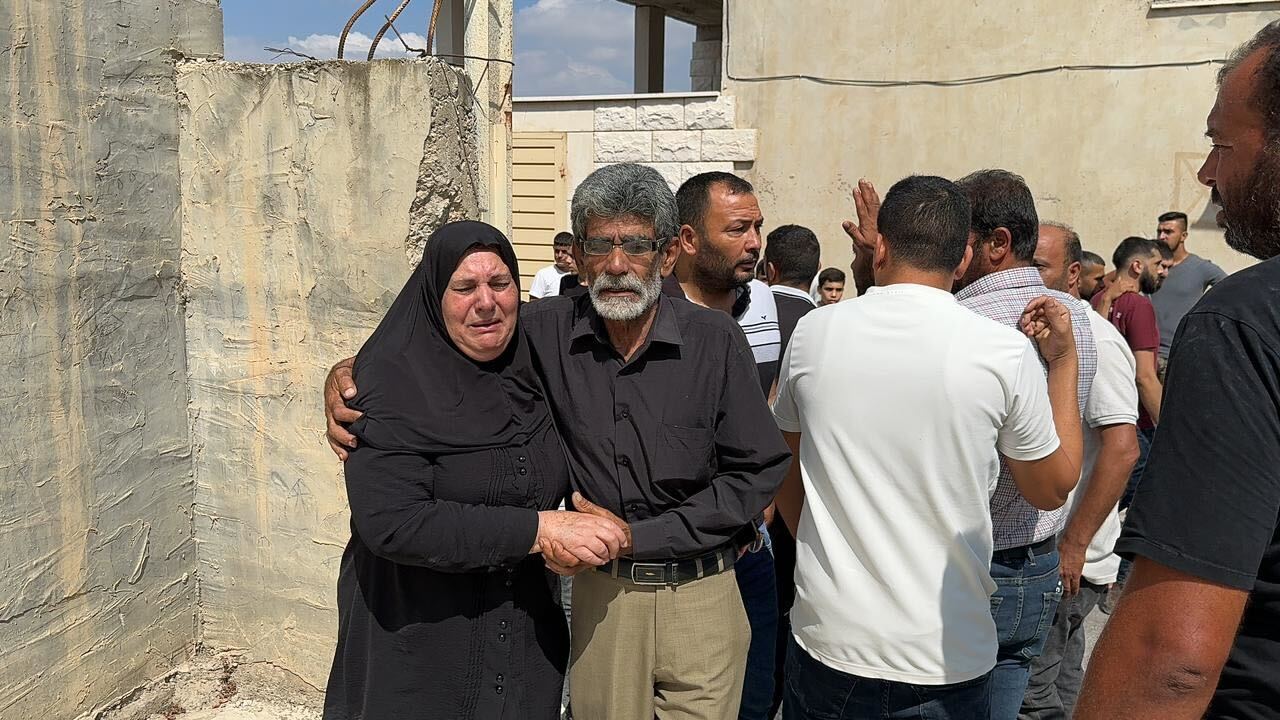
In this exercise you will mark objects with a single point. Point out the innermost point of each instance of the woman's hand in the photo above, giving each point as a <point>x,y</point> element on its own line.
<point>590,539</point>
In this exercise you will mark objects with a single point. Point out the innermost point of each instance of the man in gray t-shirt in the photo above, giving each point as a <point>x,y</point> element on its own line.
<point>1189,276</point>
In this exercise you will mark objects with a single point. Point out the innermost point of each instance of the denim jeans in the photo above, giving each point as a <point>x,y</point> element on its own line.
<point>1144,448</point>
<point>817,692</point>
<point>756,582</point>
<point>1026,598</point>
<point>1057,674</point>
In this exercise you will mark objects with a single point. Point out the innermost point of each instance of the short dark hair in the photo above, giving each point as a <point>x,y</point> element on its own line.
<point>562,239</point>
<point>1001,199</point>
<point>1173,215</point>
<point>1266,93</point>
<point>924,220</point>
<point>1132,247</point>
<point>795,252</point>
<point>693,196</point>
<point>830,275</point>
<point>1166,252</point>
<point>1088,257</point>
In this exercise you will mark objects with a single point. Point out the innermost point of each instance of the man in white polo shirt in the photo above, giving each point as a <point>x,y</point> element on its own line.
<point>1085,545</point>
<point>898,405</point>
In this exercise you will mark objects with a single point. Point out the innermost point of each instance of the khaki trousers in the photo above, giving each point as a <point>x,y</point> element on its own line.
<point>644,652</point>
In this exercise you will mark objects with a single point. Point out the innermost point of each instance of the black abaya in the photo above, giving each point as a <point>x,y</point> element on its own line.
<point>442,611</point>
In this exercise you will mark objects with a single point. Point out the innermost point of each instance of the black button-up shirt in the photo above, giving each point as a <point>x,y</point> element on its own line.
<point>678,440</point>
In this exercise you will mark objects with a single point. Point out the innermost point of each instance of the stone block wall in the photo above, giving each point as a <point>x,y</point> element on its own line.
<point>678,135</point>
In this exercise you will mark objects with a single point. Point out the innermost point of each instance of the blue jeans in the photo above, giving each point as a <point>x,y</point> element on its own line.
<point>817,692</point>
<point>756,582</point>
<point>1028,590</point>
<point>1144,448</point>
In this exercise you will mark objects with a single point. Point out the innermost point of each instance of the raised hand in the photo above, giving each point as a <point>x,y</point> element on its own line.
<point>866,202</point>
<point>864,233</point>
<point>1048,323</point>
<point>338,389</point>
<point>1121,285</point>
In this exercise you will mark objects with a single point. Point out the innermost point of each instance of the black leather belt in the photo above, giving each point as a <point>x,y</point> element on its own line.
<point>1044,547</point>
<point>672,572</point>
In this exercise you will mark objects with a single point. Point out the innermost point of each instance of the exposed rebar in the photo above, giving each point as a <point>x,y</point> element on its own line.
<point>342,39</point>
<point>431,29</point>
<point>383,30</point>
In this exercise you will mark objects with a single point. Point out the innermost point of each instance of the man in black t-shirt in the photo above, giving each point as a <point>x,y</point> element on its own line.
<point>1197,630</point>
<point>791,257</point>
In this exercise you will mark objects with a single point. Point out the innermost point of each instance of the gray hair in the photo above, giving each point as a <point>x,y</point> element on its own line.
<point>1073,251</point>
<point>621,191</point>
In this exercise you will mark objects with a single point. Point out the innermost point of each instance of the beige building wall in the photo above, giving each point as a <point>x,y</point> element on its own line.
<point>1104,148</point>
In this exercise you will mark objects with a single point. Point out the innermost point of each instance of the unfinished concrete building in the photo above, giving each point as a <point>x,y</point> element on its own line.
<point>189,243</point>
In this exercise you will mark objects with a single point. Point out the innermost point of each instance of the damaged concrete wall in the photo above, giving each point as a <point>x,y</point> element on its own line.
<point>96,554</point>
<point>297,183</point>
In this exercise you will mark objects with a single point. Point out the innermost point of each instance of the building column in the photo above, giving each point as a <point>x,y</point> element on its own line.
<point>450,38</point>
<point>650,48</point>
<point>705,66</point>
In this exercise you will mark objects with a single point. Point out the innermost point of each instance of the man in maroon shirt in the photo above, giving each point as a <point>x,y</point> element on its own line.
<point>1139,273</point>
<point>1138,268</point>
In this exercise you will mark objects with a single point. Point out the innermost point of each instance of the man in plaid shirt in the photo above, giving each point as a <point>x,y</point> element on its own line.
<point>998,284</point>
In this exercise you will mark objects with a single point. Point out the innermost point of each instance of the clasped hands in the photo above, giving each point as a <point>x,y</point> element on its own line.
<point>575,540</point>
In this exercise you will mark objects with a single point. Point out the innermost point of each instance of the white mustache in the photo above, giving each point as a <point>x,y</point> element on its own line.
<point>627,282</point>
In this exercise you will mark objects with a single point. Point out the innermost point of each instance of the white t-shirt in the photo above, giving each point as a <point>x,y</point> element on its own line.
<point>902,397</point>
<point>547,282</point>
<point>1113,400</point>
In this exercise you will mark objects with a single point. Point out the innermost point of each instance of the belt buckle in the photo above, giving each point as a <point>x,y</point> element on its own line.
<point>649,573</point>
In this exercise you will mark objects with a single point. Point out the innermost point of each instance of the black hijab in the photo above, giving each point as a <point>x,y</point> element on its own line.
<point>418,391</point>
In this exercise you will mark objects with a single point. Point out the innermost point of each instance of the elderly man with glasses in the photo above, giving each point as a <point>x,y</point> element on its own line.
<point>647,391</point>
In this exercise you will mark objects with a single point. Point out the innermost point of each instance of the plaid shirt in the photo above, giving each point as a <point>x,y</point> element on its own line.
<point>1002,296</point>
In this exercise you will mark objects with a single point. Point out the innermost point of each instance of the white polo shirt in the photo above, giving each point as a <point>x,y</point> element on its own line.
<point>1113,401</point>
<point>903,397</point>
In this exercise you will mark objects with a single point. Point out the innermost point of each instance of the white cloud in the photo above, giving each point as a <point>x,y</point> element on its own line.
<point>586,47</point>
<point>325,46</point>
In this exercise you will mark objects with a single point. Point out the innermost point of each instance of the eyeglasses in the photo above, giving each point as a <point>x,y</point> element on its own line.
<point>630,246</point>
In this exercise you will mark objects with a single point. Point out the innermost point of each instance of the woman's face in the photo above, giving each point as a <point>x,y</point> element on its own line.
<point>480,305</point>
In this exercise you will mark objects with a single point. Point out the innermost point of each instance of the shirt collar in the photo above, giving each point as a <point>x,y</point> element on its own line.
<point>588,323</point>
<point>1020,277</point>
<point>913,289</point>
<point>793,292</point>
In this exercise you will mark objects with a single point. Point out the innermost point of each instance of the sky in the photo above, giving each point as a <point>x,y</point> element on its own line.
<point>562,47</point>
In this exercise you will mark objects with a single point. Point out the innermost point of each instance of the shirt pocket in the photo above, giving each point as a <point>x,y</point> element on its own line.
<point>685,459</point>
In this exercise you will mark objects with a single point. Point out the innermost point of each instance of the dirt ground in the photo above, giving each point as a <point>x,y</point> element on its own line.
<point>219,687</point>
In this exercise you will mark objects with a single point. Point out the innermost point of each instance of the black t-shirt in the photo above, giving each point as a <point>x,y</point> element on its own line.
<point>790,310</point>
<point>1209,501</point>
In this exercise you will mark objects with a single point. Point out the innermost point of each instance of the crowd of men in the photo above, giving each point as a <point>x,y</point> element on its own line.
<point>965,432</point>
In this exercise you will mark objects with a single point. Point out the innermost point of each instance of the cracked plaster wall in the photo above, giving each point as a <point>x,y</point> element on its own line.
<point>187,246</point>
<point>97,560</point>
<point>302,220</point>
